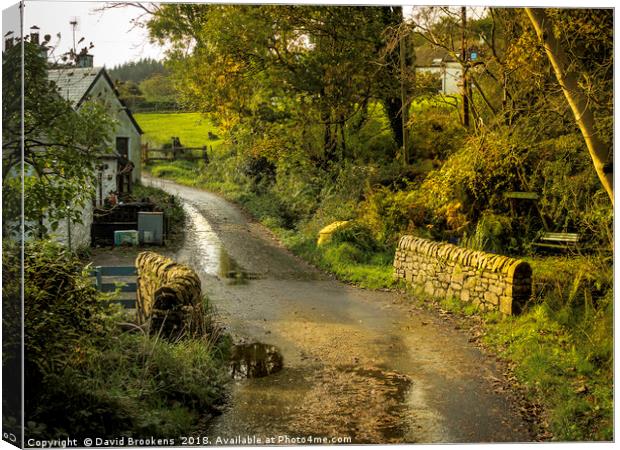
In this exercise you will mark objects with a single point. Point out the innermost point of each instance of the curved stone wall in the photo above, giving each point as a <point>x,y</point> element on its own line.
<point>169,294</point>
<point>489,281</point>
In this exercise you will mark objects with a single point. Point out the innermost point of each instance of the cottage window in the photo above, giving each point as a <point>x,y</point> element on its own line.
<point>122,146</point>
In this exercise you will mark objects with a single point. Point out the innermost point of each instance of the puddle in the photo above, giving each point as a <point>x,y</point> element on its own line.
<point>213,258</point>
<point>392,388</point>
<point>231,271</point>
<point>254,360</point>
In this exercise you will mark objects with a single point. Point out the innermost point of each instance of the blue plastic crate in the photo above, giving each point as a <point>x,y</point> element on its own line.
<point>126,237</point>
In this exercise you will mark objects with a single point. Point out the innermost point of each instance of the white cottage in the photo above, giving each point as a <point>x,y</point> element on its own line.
<point>450,74</point>
<point>439,62</point>
<point>81,84</point>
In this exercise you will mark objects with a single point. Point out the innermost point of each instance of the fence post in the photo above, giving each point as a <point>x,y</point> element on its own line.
<point>98,275</point>
<point>145,153</point>
<point>174,154</point>
<point>204,154</point>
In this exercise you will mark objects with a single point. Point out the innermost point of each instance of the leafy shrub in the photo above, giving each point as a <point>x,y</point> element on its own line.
<point>493,233</point>
<point>259,170</point>
<point>369,136</point>
<point>389,214</point>
<point>436,130</point>
<point>571,195</point>
<point>86,377</point>
<point>60,307</point>
<point>358,235</point>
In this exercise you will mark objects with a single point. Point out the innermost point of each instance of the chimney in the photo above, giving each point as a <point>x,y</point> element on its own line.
<point>84,60</point>
<point>34,34</point>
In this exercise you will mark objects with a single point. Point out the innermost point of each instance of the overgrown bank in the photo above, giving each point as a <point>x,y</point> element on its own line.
<point>91,372</point>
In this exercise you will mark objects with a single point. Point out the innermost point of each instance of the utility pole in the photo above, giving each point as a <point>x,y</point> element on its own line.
<point>465,88</point>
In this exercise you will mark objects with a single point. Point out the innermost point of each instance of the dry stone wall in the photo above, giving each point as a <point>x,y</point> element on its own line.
<point>490,282</point>
<point>168,294</point>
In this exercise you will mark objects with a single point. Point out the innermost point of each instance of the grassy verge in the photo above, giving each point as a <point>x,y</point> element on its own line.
<point>561,346</point>
<point>348,261</point>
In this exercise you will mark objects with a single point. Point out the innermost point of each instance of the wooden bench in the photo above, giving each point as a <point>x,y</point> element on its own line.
<point>558,240</point>
<point>101,272</point>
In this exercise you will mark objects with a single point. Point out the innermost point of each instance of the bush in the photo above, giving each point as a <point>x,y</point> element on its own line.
<point>436,131</point>
<point>60,307</point>
<point>493,233</point>
<point>86,377</point>
<point>389,214</point>
<point>358,235</point>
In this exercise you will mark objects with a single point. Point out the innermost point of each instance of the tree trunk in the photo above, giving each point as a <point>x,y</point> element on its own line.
<point>465,62</point>
<point>393,106</point>
<point>405,101</point>
<point>578,102</point>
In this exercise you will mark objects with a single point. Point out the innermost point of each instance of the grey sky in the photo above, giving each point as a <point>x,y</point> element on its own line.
<point>110,31</point>
<point>10,19</point>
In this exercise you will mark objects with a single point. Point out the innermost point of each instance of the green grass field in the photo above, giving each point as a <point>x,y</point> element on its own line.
<point>192,128</point>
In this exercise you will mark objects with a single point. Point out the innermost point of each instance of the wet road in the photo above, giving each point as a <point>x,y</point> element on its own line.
<point>357,364</point>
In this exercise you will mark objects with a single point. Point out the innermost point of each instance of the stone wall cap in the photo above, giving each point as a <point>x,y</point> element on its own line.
<point>477,259</point>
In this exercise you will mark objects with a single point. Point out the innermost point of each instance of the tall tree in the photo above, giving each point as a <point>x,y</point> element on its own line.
<point>568,79</point>
<point>319,65</point>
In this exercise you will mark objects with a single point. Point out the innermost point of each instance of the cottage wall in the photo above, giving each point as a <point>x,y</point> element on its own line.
<point>449,74</point>
<point>452,78</point>
<point>108,179</point>
<point>125,128</point>
<point>490,282</point>
<point>80,232</point>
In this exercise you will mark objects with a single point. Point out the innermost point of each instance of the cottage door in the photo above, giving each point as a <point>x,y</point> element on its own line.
<point>123,180</point>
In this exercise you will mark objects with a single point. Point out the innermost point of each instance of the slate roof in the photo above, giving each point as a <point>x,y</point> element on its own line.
<point>74,84</point>
<point>430,56</point>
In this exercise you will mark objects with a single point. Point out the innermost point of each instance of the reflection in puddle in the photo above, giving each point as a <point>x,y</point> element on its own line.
<point>254,360</point>
<point>213,258</point>
<point>230,270</point>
